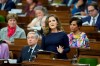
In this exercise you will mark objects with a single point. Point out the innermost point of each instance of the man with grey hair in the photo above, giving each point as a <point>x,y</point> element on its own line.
<point>29,52</point>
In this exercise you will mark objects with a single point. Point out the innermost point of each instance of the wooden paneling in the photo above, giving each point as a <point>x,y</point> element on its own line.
<point>58,8</point>
<point>95,45</point>
<point>3,13</point>
<point>73,52</point>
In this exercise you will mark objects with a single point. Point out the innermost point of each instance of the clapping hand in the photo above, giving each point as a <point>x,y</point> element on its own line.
<point>60,49</point>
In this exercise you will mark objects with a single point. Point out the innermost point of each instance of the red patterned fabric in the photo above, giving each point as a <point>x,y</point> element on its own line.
<point>11,31</point>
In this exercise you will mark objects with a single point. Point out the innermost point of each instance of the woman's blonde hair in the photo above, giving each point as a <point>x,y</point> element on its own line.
<point>10,16</point>
<point>47,29</point>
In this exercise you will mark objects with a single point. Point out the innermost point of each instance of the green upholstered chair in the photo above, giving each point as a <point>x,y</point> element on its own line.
<point>2,19</point>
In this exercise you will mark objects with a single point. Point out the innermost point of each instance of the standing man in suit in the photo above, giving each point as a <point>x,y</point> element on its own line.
<point>94,16</point>
<point>6,5</point>
<point>30,51</point>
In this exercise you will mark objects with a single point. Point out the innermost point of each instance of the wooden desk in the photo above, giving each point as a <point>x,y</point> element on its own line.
<point>93,52</point>
<point>6,63</point>
<point>86,29</point>
<point>64,16</point>
<point>58,8</point>
<point>72,52</point>
<point>95,45</point>
<point>93,35</point>
<point>89,53</point>
<point>23,42</point>
<point>20,41</point>
<point>16,49</point>
<point>49,62</point>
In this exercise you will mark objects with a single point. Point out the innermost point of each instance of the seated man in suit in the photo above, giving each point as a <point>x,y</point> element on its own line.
<point>94,17</point>
<point>30,51</point>
<point>6,5</point>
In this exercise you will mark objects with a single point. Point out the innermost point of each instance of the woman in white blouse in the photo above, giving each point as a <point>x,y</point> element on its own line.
<point>38,22</point>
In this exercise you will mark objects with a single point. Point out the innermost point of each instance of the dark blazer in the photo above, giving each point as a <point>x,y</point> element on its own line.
<point>88,18</point>
<point>9,5</point>
<point>24,56</point>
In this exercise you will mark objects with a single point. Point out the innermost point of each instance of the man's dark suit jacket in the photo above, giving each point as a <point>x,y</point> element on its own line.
<point>24,56</point>
<point>87,19</point>
<point>9,5</point>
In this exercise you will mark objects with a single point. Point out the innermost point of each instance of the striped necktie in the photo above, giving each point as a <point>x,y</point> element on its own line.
<point>93,23</point>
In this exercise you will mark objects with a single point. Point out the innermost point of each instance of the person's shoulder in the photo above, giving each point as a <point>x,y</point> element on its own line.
<point>4,45</point>
<point>10,2</point>
<point>38,46</point>
<point>62,32</point>
<point>34,19</point>
<point>4,29</point>
<point>71,33</point>
<point>20,29</point>
<point>83,33</point>
<point>87,17</point>
<point>25,48</point>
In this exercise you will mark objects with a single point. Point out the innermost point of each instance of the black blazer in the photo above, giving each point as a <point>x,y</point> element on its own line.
<point>24,56</point>
<point>9,5</point>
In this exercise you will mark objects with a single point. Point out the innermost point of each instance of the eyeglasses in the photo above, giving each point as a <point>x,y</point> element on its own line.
<point>91,10</point>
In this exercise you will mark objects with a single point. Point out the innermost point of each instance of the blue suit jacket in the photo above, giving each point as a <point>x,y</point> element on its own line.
<point>89,18</point>
<point>24,56</point>
<point>9,5</point>
<point>67,1</point>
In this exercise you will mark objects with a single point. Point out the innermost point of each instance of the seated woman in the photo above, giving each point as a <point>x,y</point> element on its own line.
<point>55,39</point>
<point>69,3</point>
<point>12,30</point>
<point>76,37</point>
<point>39,21</point>
<point>29,8</point>
<point>80,8</point>
<point>4,51</point>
